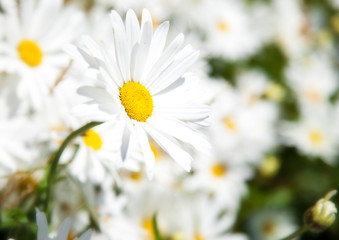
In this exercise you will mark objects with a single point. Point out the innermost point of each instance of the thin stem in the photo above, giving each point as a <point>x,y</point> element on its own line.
<point>297,233</point>
<point>56,158</point>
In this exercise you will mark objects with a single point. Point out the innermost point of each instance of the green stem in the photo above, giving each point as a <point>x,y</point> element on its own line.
<point>300,231</point>
<point>56,158</point>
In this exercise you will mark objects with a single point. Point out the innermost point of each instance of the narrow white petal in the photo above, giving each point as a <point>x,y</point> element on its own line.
<point>64,229</point>
<point>143,50</point>
<point>110,66</point>
<point>146,17</point>
<point>174,71</point>
<point>98,94</point>
<point>125,142</point>
<point>165,59</point>
<point>157,45</point>
<point>182,132</point>
<point>42,225</point>
<point>171,147</point>
<point>121,49</point>
<point>146,150</point>
<point>86,236</point>
<point>132,27</point>
<point>186,112</point>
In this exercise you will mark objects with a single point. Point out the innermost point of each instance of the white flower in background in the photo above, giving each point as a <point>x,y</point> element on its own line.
<point>313,134</point>
<point>63,230</point>
<point>242,128</point>
<point>291,27</point>
<point>97,154</point>
<point>271,224</point>
<point>216,176</point>
<point>208,220</point>
<point>228,29</point>
<point>143,88</point>
<point>33,33</point>
<point>313,79</point>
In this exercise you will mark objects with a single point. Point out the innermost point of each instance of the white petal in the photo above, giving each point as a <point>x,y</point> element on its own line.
<point>171,147</point>
<point>98,94</point>
<point>42,225</point>
<point>157,45</point>
<point>110,66</point>
<point>175,70</point>
<point>86,236</point>
<point>186,112</point>
<point>165,59</point>
<point>146,150</point>
<point>146,17</point>
<point>64,229</point>
<point>182,132</point>
<point>121,50</point>
<point>132,27</point>
<point>143,50</point>
<point>125,142</point>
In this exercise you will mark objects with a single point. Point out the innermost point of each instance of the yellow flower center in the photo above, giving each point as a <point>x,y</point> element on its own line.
<point>268,228</point>
<point>229,123</point>
<point>137,101</point>
<point>223,27</point>
<point>30,53</point>
<point>93,140</point>
<point>316,138</point>
<point>218,170</point>
<point>197,236</point>
<point>147,224</point>
<point>135,176</point>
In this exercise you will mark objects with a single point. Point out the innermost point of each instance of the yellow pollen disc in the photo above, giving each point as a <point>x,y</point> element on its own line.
<point>197,236</point>
<point>218,170</point>
<point>30,53</point>
<point>93,140</point>
<point>316,137</point>
<point>135,176</point>
<point>223,27</point>
<point>313,95</point>
<point>229,123</point>
<point>147,224</point>
<point>268,228</point>
<point>137,101</point>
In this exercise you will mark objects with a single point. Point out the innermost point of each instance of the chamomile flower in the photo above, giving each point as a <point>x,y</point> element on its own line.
<point>270,224</point>
<point>222,179</point>
<point>143,88</point>
<point>313,135</point>
<point>33,33</point>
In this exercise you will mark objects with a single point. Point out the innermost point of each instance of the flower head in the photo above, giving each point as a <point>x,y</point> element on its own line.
<point>144,87</point>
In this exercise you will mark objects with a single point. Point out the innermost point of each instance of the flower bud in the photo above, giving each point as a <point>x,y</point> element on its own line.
<point>322,214</point>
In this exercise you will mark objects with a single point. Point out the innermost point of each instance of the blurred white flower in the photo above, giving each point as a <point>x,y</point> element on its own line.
<point>33,34</point>
<point>313,134</point>
<point>271,224</point>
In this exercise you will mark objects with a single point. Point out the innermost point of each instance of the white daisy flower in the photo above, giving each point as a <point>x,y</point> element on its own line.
<point>33,33</point>
<point>209,220</point>
<point>270,224</point>
<point>222,179</point>
<point>144,88</point>
<point>97,155</point>
<point>313,134</point>
<point>303,75</point>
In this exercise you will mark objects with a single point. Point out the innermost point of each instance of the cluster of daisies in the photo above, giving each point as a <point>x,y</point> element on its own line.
<point>173,139</point>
